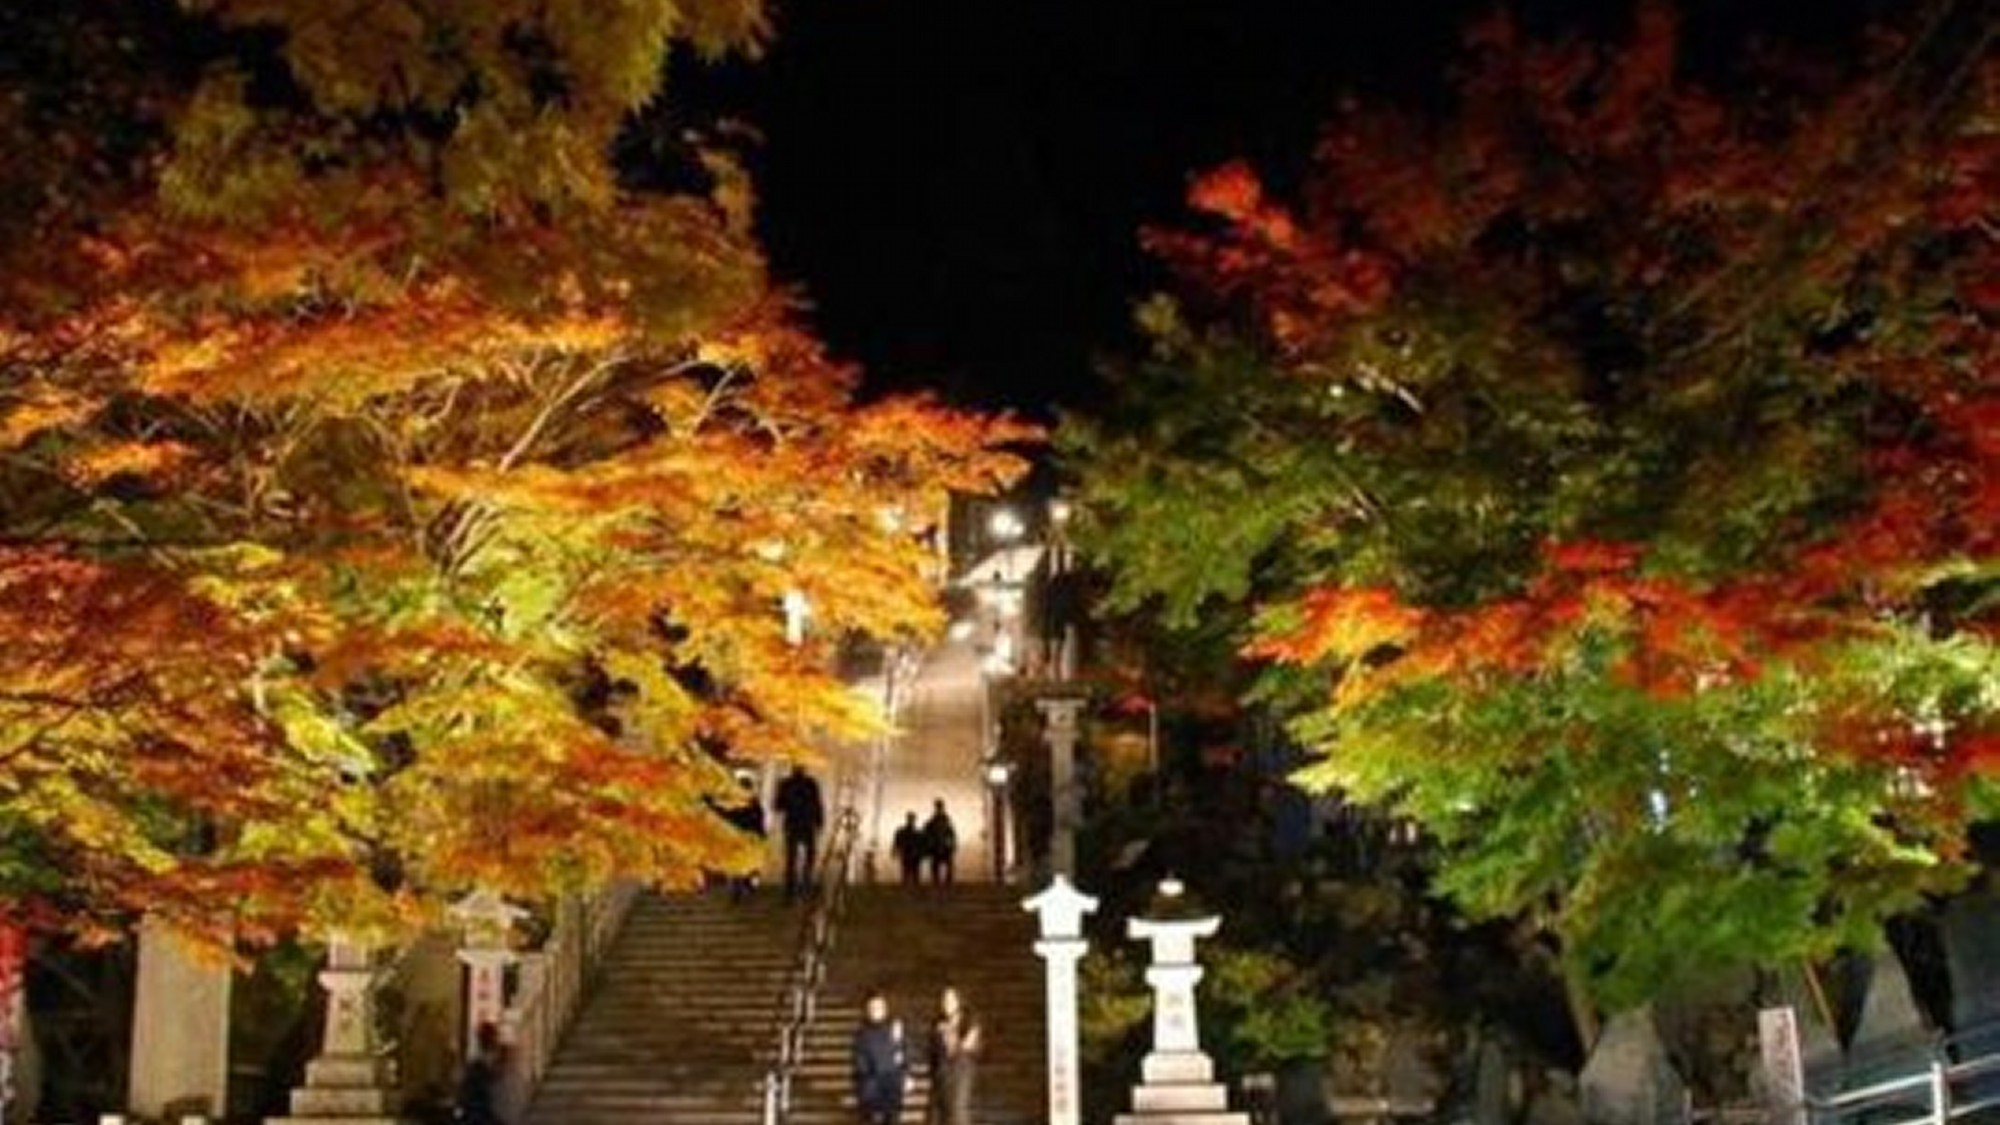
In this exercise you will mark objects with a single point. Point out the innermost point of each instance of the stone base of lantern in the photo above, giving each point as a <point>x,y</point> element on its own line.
<point>1179,1088</point>
<point>344,1091</point>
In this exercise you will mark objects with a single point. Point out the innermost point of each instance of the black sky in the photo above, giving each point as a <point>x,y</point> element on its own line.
<point>958,184</point>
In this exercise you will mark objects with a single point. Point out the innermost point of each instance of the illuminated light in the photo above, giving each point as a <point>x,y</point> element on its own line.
<point>961,630</point>
<point>1005,525</point>
<point>1060,511</point>
<point>797,611</point>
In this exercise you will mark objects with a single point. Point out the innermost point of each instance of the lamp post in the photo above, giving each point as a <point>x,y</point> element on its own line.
<point>999,772</point>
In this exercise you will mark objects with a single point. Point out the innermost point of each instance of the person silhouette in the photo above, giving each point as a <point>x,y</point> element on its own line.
<point>910,850</point>
<point>941,844</point>
<point>804,814</point>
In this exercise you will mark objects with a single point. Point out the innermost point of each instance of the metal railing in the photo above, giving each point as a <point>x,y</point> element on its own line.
<point>553,980</point>
<point>1962,1079</point>
<point>798,1001</point>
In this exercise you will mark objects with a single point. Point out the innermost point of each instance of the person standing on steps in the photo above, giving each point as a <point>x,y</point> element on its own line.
<point>799,803</point>
<point>881,1065</point>
<point>941,844</point>
<point>954,1060</point>
<point>910,849</point>
<point>478,1100</point>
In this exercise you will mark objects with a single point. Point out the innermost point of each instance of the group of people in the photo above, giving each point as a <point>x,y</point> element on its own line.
<point>935,845</point>
<point>882,1075</point>
<point>931,846</point>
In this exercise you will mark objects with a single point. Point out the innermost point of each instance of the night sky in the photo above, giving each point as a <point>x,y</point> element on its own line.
<point>958,184</point>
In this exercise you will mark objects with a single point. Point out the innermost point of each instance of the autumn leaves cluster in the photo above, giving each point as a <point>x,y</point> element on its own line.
<point>1602,467</point>
<point>396,500</point>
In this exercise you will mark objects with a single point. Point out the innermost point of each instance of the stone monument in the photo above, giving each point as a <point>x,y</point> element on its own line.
<point>1060,909</point>
<point>350,1082</point>
<point>1178,1084</point>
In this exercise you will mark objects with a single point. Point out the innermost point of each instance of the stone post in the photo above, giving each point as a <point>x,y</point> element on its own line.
<point>349,1082</point>
<point>180,1028</point>
<point>1060,909</point>
<point>1178,1084</point>
<point>1784,1070</point>
<point>486,927</point>
<point>1060,731</point>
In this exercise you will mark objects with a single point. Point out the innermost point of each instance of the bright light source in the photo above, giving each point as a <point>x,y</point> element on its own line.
<point>1005,525</point>
<point>797,611</point>
<point>1060,511</point>
<point>961,630</point>
<point>998,771</point>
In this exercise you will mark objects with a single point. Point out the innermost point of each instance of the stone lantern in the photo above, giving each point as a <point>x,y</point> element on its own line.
<point>1178,1085</point>
<point>486,927</point>
<point>350,1081</point>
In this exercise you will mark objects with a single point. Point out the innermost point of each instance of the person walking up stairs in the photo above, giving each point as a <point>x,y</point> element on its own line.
<point>680,1028</point>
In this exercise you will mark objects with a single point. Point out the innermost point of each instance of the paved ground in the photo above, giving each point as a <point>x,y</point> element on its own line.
<point>934,756</point>
<point>937,757</point>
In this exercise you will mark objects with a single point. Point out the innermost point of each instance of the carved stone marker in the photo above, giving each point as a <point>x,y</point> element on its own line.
<point>1060,909</point>
<point>1784,1085</point>
<point>1178,1084</point>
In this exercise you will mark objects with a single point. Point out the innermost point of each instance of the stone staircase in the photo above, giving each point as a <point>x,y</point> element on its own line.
<point>910,944</point>
<point>680,1027</point>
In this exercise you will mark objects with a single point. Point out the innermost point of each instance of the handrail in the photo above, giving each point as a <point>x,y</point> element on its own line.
<point>798,1000</point>
<point>1932,1092</point>
<point>553,980</point>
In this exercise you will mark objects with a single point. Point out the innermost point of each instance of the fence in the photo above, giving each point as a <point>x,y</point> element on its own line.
<point>1961,1082</point>
<point>798,1000</point>
<point>553,981</point>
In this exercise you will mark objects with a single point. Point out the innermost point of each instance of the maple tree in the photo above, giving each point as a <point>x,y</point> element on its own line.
<point>1619,444</point>
<point>396,501</point>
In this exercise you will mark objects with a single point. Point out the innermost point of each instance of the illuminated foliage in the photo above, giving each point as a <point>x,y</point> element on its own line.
<point>396,502</point>
<point>1618,446</point>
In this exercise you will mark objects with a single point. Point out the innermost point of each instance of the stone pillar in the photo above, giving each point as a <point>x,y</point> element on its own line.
<point>180,1028</point>
<point>486,925</point>
<point>1784,1068</point>
<point>349,1082</point>
<point>1060,731</point>
<point>1178,1084</point>
<point>1060,909</point>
